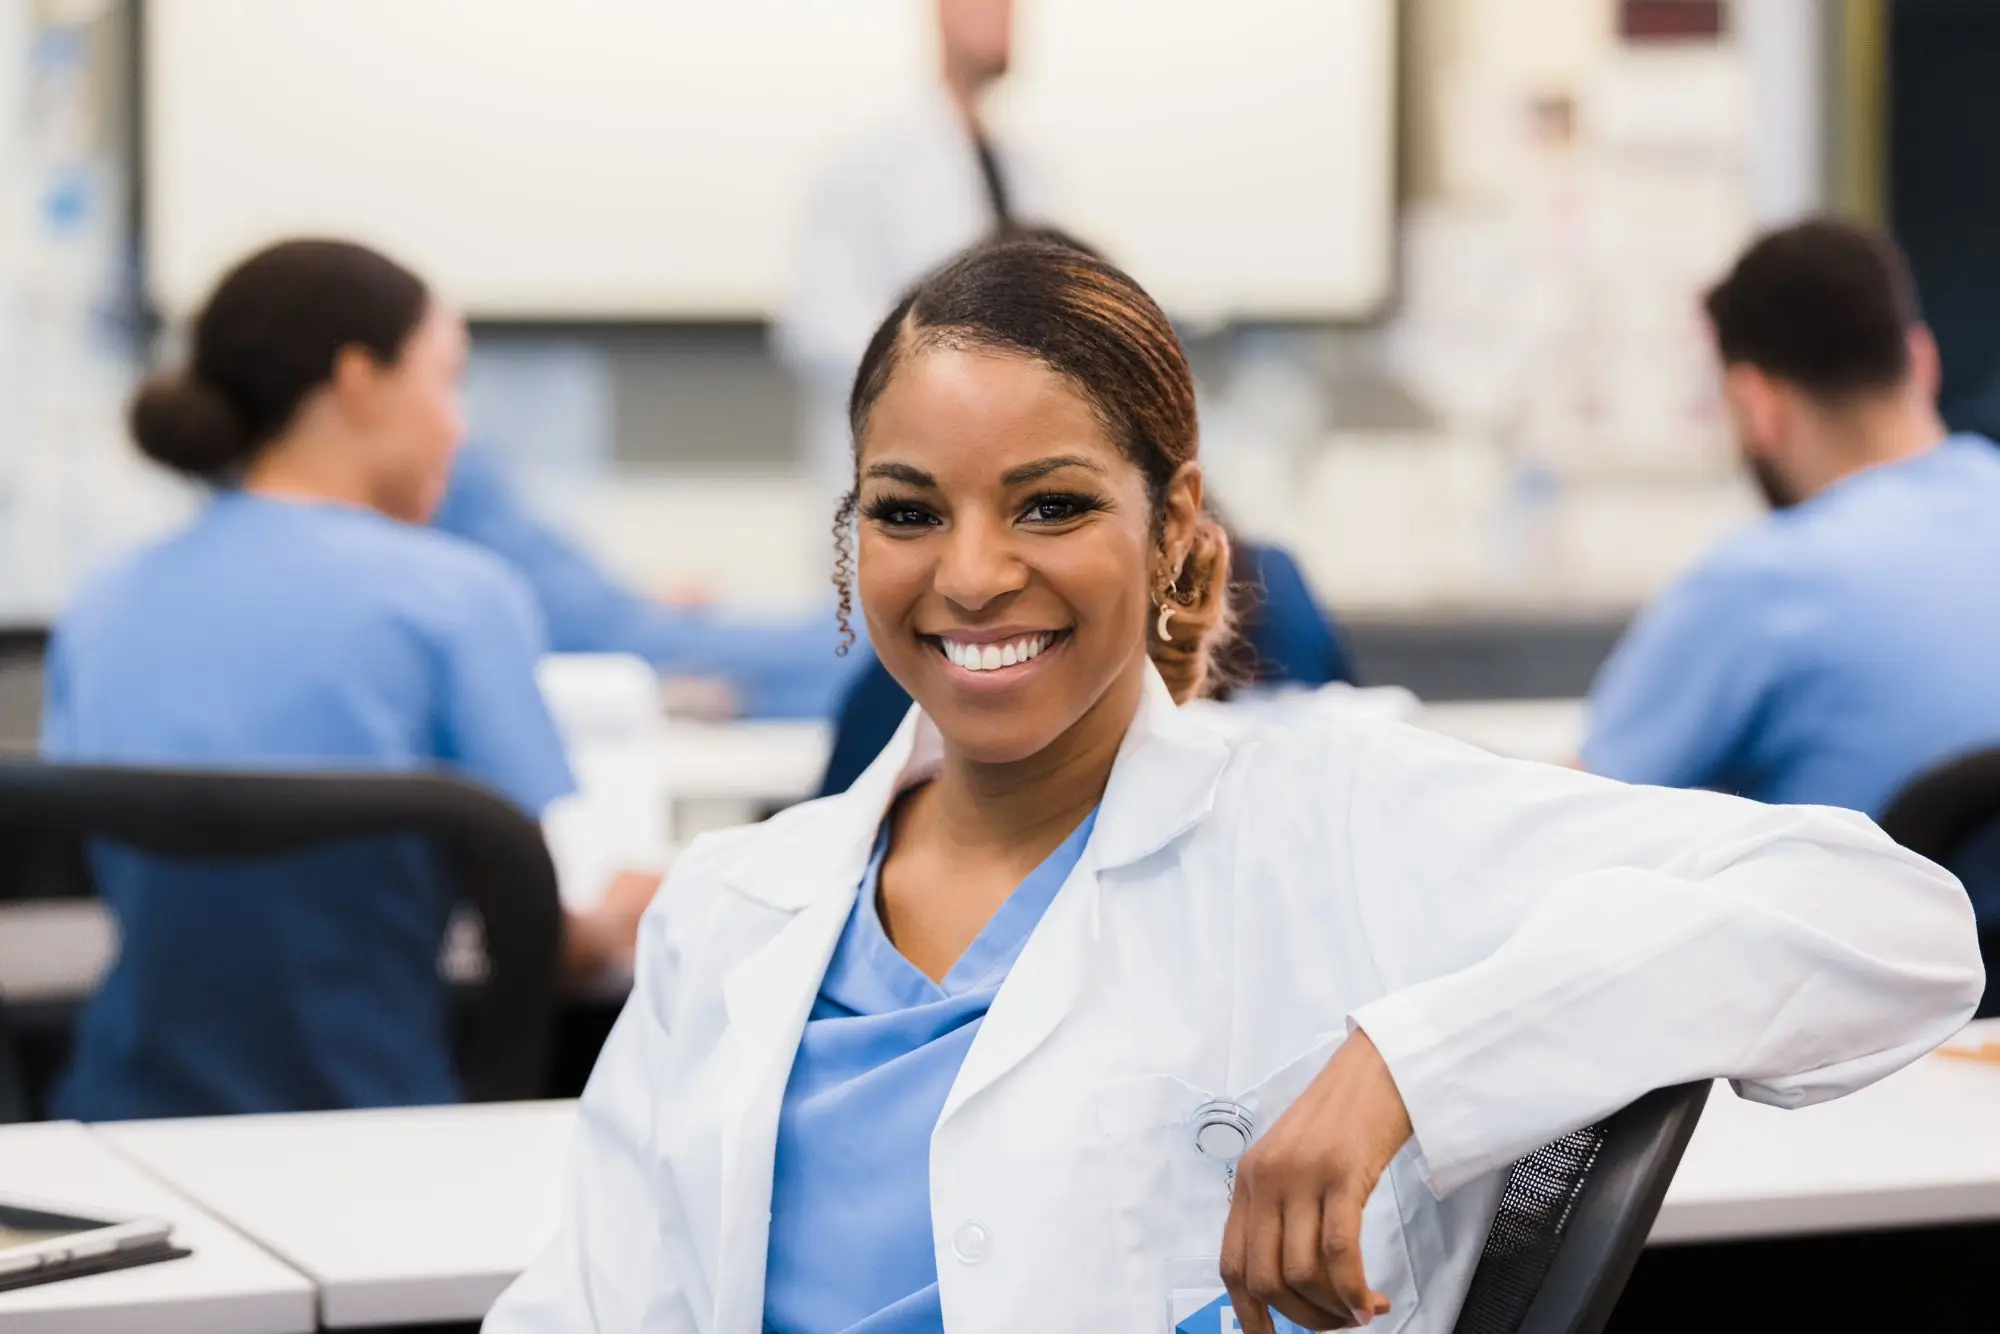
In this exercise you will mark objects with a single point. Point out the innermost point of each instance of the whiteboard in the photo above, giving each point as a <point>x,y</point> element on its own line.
<point>649,159</point>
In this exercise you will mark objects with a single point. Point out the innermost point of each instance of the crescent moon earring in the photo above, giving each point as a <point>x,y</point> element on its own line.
<point>1160,627</point>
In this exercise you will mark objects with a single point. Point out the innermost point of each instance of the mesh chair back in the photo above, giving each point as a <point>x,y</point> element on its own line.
<point>1952,816</point>
<point>496,854</point>
<point>1574,1217</point>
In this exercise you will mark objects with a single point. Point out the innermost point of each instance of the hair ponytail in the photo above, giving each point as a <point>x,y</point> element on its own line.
<point>267,338</point>
<point>1202,619</point>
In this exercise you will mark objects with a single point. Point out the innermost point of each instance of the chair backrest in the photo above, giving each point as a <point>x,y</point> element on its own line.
<point>1951,814</point>
<point>13,1085</point>
<point>494,849</point>
<point>1940,809</point>
<point>1575,1216</point>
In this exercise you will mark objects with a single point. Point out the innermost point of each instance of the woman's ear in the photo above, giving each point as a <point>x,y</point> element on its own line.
<point>1183,514</point>
<point>356,383</point>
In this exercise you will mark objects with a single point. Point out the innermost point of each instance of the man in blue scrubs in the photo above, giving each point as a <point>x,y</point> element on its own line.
<point>774,669</point>
<point>1851,640</point>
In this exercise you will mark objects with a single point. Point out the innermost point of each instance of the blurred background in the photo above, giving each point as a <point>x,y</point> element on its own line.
<point>1437,261</point>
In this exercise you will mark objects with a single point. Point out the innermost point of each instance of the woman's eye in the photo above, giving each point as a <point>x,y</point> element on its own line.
<point>900,514</point>
<point>1055,509</point>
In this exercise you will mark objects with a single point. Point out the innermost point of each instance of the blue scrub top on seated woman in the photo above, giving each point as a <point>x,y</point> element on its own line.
<point>778,668</point>
<point>275,634</point>
<point>850,1247</point>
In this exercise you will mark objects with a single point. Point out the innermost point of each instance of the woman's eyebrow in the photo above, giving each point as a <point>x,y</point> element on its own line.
<point>904,473</point>
<point>1040,468</point>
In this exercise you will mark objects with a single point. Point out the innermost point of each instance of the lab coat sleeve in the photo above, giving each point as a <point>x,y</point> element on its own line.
<point>1554,945</point>
<point>613,1266</point>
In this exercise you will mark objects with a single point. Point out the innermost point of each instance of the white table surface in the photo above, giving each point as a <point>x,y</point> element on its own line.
<point>399,1217</point>
<point>230,1285</point>
<point>768,761</point>
<point>1921,1147</point>
<point>426,1214</point>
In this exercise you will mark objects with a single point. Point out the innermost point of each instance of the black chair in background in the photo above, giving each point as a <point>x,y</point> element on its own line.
<point>13,1085</point>
<point>1574,1217</point>
<point>495,851</point>
<point>1952,816</point>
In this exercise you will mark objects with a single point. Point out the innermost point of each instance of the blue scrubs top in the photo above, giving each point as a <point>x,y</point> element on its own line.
<point>1829,655</point>
<point>272,634</point>
<point>850,1245</point>
<point>779,669</point>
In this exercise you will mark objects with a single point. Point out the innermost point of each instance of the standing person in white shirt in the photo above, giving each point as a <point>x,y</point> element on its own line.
<point>895,204</point>
<point>934,1054</point>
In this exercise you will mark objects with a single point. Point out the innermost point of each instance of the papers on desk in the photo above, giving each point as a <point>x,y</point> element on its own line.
<point>229,1283</point>
<point>46,1242</point>
<point>612,719</point>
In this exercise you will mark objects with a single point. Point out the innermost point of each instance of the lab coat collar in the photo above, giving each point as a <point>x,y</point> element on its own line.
<point>1163,784</point>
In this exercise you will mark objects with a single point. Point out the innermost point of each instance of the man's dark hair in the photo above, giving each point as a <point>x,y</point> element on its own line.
<point>1826,305</point>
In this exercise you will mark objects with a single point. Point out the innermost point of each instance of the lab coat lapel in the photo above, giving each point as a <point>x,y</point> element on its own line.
<point>1163,784</point>
<point>767,998</point>
<point>814,873</point>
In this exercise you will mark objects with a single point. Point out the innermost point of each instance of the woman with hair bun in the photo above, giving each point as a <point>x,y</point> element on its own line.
<point>1074,1013</point>
<point>304,619</point>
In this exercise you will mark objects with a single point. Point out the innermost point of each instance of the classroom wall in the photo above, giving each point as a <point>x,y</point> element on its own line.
<point>1532,426</point>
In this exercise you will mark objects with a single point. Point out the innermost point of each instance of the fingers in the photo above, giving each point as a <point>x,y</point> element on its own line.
<point>1304,1274</point>
<point>1251,1317</point>
<point>1271,1260</point>
<point>1340,1261</point>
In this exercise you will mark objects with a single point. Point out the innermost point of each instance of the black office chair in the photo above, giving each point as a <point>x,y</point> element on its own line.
<point>13,1085</point>
<point>1574,1218</point>
<point>496,851</point>
<point>1952,816</point>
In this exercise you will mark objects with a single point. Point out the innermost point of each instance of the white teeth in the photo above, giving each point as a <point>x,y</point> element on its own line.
<point>992,657</point>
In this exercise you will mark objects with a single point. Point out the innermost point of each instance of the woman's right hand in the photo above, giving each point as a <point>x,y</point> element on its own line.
<point>606,936</point>
<point>1293,1240</point>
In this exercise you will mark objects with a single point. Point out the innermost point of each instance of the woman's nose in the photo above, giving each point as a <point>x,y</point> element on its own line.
<point>978,566</point>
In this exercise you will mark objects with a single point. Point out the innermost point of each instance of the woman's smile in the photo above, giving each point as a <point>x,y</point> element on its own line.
<point>994,660</point>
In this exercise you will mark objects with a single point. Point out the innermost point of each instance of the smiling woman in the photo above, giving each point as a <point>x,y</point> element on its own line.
<point>1077,1012</point>
<point>1059,378</point>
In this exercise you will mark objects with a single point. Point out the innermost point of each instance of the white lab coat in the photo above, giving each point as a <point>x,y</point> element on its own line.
<point>1530,948</point>
<point>891,207</point>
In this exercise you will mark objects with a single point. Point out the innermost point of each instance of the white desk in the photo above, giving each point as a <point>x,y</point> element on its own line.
<point>1548,730</point>
<point>725,773</point>
<point>1920,1148</point>
<point>228,1286</point>
<point>427,1214</point>
<point>399,1217</point>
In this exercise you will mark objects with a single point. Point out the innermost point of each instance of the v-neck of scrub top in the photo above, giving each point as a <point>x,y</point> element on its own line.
<point>850,1247</point>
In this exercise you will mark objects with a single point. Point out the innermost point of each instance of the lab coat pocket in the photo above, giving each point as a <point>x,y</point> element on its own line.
<point>1389,1213</point>
<point>1159,1199</point>
<point>1167,1203</point>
